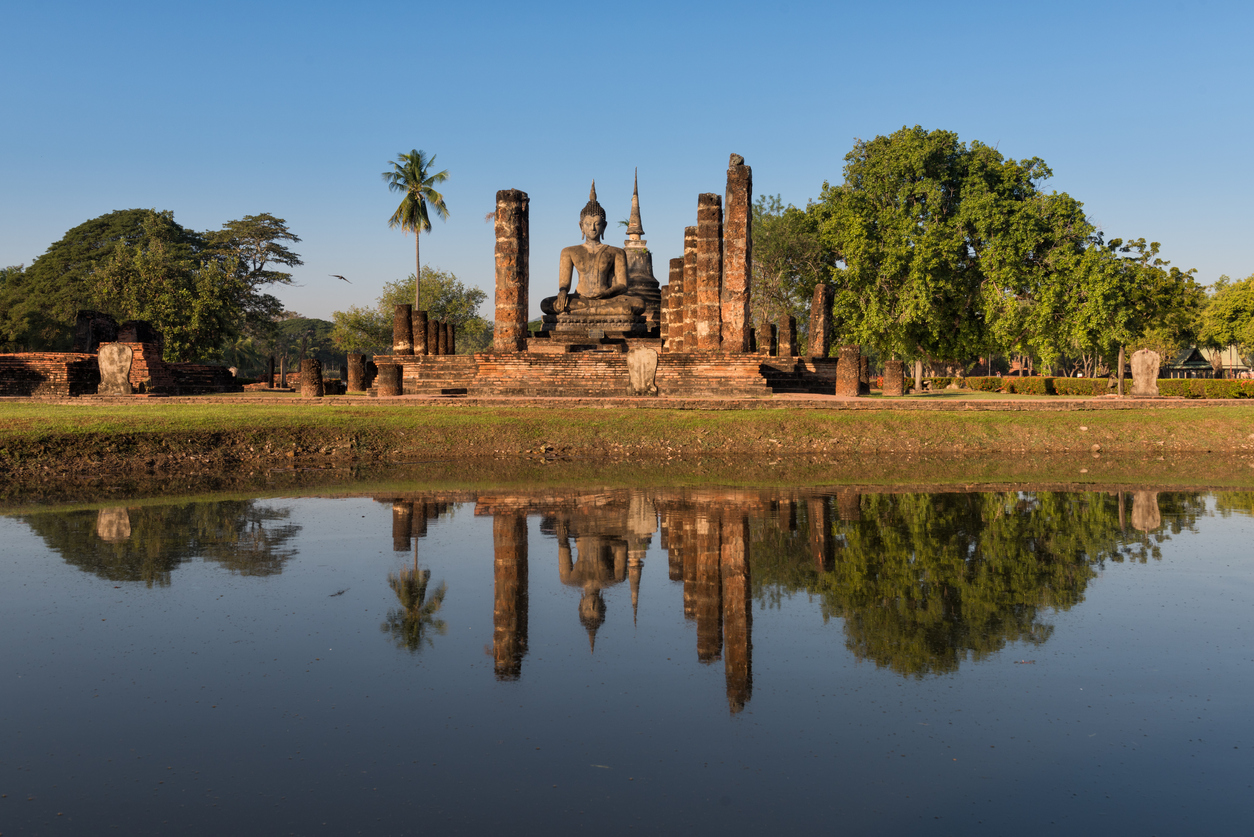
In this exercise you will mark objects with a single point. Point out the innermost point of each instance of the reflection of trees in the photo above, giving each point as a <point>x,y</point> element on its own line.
<point>411,624</point>
<point>241,535</point>
<point>1228,503</point>
<point>923,582</point>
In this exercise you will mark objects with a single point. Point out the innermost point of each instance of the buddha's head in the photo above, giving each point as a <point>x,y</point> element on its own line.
<point>592,217</point>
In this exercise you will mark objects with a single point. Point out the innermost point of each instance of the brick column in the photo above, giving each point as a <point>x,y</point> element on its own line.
<point>403,330</point>
<point>787,336</point>
<point>420,333</point>
<point>509,606</point>
<point>665,325</point>
<point>678,318</point>
<point>433,336</point>
<point>311,378</point>
<point>388,380</point>
<point>690,289</point>
<point>512,271</point>
<point>820,338</point>
<point>894,378</point>
<point>737,256</point>
<point>709,272</point>
<point>443,337</point>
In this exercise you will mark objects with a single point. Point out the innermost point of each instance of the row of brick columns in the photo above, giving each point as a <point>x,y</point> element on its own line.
<point>414,334</point>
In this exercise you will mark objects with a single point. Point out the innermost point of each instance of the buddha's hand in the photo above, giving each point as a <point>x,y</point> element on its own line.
<point>559,304</point>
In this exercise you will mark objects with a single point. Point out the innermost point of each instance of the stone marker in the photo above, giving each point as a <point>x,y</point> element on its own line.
<point>894,378</point>
<point>356,373</point>
<point>737,256</point>
<point>642,371</point>
<point>420,333</point>
<point>388,380</point>
<point>787,336</point>
<point>710,273</point>
<point>513,270</point>
<point>311,378</point>
<point>115,369</point>
<point>403,330</point>
<point>848,370</point>
<point>1145,373</point>
<point>820,340</point>
<point>690,289</point>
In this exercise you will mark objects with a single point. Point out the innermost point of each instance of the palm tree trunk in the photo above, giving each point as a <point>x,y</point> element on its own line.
<point>417,268</point>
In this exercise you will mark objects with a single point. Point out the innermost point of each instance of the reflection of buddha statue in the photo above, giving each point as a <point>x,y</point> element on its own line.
<point>602,301</point>
<point>602,563</point>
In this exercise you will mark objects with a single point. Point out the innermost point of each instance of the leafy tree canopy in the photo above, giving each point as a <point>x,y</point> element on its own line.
<point>1228,317</point>
<point>443,297</point>
<point>789,259</point>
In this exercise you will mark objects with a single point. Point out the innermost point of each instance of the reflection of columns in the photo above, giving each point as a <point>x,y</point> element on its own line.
<point>707,589</point>
<point>820,513</point>
<point>673,543</point>
<point>737,612</point>
<point>849,505</point>
<point>509,610</point>
<point>1145,514</point>
<point>688,554</point>
<point>402,525</point>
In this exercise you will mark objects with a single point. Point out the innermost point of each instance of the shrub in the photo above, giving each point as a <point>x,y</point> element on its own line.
<point>985,384</point>
<point>1206,388</point>
<point>1081,386</point>
<point>1029,386</point>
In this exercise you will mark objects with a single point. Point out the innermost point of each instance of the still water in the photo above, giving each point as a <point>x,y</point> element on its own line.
<point>627,661</point>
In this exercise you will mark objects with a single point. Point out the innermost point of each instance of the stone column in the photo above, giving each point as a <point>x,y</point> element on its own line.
<point>509,606</point>
<point>311,378</point>
<point>820,339</point>
<point>894,379</point>
<point>864,376</point>
<point>848,371</point>
<point>402,522</point>
<point>665,326</point>
<point>737,612</point>
<point>708,588</point>
<point>452,338</point>
<point>769,344</point>
<point>433,336</point>
<point>512,271</point>
<point>737,256</point>
<point>679,312</point>
<point>787,336</point>
<point>270,373</point>
<point>443,337</point>
<point>388,381</point>
<point>356,373</point>
<point>403,330</point>
<point>709,272</point>
<point>420,333</point>
<point>690,289</point>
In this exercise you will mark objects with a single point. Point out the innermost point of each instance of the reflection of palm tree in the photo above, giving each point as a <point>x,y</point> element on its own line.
<point>410,624</point>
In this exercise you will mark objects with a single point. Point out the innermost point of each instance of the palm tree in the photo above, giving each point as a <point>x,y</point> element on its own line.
<point>410,176</point>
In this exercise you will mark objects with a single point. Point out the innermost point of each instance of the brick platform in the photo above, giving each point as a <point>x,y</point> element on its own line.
<point>48,374</point>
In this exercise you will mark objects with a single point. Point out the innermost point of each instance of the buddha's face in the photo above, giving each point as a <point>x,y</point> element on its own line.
<point>593,227</point>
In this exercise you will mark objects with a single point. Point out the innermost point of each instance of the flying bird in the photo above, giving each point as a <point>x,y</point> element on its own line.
<point>338,276</point>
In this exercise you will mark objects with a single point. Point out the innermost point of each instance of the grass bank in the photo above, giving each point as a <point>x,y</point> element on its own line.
<point>152,437</point>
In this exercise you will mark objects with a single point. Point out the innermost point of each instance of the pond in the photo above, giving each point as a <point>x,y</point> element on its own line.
<point>630,660</point>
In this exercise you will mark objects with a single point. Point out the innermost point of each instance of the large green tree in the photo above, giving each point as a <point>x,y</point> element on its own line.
<point>411,175</point>
<point>251,244</point>
<point>1228,317</point>
<point>442,295</point>
<point>789,259</point>
<point>935,238</point>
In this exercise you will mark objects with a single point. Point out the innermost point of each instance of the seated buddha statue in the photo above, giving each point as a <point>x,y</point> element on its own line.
<point>602,295</point>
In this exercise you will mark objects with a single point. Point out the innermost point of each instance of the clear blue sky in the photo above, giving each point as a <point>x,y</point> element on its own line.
<point>1144,111</point>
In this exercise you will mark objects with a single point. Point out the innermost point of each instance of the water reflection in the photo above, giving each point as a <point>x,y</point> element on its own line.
<point>147,543</point>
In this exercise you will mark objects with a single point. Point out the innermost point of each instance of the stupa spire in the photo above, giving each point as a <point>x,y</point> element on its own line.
<point>634,229</point>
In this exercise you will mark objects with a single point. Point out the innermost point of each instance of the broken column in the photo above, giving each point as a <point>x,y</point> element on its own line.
<point>388,380</point>
<point>512,271</point>
<point>787,336</point>
<point>433,336</point>
<point>690,289</point>
<point>443,337</point>
<point>820,339</point>
<point>311,378</point>
<point>509,607</point>
<point>403,330</point>
<point>709,272</point>
<point>848,371</point>
<point>420,333</point>
<point>737,257</point>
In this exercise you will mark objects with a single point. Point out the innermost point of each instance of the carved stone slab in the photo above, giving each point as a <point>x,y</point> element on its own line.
<point>642,371</point>
<point>1145,373</point>
<point>115,369</point>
